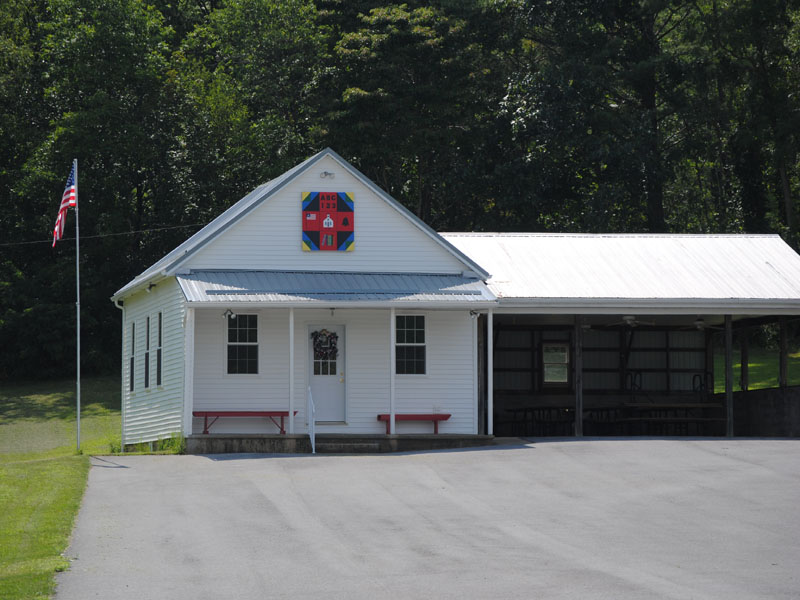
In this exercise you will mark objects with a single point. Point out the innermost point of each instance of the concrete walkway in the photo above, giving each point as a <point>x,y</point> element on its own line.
<point>610,519</point>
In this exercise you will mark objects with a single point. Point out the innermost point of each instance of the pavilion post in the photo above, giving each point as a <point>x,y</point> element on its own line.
<point>744,358</point>
<point>728,376</point>
<point>783,376</point>
<point>578,376</point>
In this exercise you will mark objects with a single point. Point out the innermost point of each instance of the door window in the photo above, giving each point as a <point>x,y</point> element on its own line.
<point>326,351</point>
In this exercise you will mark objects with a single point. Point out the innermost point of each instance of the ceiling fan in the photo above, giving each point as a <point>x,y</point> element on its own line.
<point>700,325</point>
<point>631,321</point>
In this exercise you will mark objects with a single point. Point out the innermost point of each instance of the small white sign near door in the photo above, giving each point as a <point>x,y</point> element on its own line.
<point>327,372</point>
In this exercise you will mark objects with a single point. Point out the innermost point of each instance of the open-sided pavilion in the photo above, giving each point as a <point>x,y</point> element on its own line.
<point>616,334</point>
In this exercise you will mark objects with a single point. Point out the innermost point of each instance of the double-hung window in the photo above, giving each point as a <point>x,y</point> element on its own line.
<point>410,345</point>
<point>555,363</point>
<point>242,344</point>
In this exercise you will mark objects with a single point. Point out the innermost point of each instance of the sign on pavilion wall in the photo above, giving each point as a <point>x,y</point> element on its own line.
<point>328,221</point>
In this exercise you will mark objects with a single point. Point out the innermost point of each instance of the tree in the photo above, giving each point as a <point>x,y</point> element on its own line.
<point>414,88</point>
<point>103,64</point>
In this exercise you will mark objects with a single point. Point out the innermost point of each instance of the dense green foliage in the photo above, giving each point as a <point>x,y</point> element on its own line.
<point>536,115</point>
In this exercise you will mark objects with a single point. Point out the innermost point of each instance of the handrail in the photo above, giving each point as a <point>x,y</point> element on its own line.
<point>311,416</point>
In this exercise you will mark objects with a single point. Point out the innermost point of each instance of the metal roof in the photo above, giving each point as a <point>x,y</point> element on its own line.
<point>689,271</point>
<point>332,288</point>
<point>171,262</point>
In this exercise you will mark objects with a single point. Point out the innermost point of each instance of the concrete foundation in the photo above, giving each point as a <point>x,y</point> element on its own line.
<point>223,443</point>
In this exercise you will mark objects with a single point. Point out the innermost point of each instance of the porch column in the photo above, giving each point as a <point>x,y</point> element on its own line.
<point>578,376</point>
<point>291,371</point>
<point>728,376</point>
<point>475,416</point>
<point>490,372</point>
<point>392,338</point>
<point>744,359</point>
<point>188,371</point>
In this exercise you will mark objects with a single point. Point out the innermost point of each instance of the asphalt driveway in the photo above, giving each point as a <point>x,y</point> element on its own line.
<point>558,519</point>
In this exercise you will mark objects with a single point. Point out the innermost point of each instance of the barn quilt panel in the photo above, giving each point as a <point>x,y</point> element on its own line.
<point>328,221</point>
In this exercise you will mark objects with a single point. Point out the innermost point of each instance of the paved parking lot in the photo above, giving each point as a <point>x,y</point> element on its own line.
<point>557,519</point>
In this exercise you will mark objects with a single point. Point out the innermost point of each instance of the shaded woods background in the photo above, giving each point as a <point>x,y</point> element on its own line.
<point>539,115</point>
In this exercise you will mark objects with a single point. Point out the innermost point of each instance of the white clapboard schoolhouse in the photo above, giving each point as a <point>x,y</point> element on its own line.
<point>319,286</point>
<point>319,281</point>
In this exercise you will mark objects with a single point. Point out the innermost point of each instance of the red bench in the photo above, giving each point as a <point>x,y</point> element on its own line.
<point>434,417</point>
<point>269,414</point>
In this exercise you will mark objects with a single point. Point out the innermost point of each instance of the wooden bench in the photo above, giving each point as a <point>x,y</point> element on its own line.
<point>216,414</point>
<point>434,417</point>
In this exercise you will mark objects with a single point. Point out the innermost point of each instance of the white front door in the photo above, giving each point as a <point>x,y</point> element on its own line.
<point>326,371</point>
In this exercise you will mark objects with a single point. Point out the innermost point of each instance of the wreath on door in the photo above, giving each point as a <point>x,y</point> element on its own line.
<point>325,344</point>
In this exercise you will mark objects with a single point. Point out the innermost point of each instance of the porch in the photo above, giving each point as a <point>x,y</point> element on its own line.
<point>367,351</point>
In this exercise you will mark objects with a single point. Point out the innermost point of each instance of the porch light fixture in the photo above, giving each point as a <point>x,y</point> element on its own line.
<point>229,314</point>
<point>325,174</point>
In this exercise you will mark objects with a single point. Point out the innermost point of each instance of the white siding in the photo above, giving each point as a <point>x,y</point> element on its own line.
<point>269,237</point>
<point>153,413</point>
<point>447,386</point>
<point>215,389</point>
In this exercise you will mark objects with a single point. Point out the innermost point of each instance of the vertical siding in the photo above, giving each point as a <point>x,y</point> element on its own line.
<point>153,413</point>
<point>653,353</point>
<point>684,358</point>
<point>447,386</point>
<point>269,237</point>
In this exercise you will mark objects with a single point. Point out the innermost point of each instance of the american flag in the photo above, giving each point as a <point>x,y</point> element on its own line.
<point>69,199</point>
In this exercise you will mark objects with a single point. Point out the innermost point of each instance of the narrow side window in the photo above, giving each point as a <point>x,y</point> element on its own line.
<point>147,353</point>
<point>158,350</point>
<point>132,359</point>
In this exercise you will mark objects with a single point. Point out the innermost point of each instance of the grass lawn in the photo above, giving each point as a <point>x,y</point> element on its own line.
<point>762,369</point>
<point>42,478</point>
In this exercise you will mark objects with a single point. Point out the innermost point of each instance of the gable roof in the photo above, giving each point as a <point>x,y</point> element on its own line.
<point>171,263</point>
<point>670,272</point>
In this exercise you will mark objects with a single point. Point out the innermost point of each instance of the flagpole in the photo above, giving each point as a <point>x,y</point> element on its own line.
<point>78,301</point>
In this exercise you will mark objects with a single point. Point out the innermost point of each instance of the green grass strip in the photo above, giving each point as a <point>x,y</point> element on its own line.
<point>42,479</point>
<point>39,500</point>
